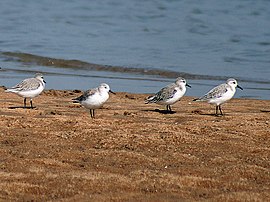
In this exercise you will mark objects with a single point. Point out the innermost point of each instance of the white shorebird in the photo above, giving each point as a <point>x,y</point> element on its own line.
<point>220,94</point>
<point>94,98</point>
<point>170,94</point>
<point>29,88</point>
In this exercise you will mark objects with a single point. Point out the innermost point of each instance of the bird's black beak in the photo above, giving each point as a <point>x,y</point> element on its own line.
<point>239,87</point>
<point>188,85</point>
<point>44,81</point>
<point>112,92</point>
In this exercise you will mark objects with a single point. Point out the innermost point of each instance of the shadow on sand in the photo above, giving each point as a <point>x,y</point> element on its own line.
<point>160,111</point>
<point>199,112</point>
<point>21,107</point>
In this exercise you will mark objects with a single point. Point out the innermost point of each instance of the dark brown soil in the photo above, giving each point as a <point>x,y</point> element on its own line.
<point>133,151</point>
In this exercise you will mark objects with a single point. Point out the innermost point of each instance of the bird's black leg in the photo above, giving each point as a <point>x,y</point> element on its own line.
<point>92,113</point>
<point>220,110</point>
<point>31,102</point>
<point>217,110</point>
<point>24,102</point>
<point>168,107</point>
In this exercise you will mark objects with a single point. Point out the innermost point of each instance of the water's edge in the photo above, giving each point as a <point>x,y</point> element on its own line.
<point>28,58</point>
<point>69,74</point>
<point>77,64</point>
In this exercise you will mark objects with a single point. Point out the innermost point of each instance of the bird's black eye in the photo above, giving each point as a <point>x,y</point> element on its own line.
<point>234,82</point>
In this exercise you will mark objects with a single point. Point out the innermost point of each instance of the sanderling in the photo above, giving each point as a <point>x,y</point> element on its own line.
<point>220,94</point>
<point>29,88</point>
<point>94,98</point>
<point>170,94</point>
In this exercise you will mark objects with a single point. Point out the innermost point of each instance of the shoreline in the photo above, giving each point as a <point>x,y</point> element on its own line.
<point>132,151</point>
<point>28,58</point>
<point>122,79</point>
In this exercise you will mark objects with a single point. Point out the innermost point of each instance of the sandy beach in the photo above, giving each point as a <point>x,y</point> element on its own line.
<point>133,151</point>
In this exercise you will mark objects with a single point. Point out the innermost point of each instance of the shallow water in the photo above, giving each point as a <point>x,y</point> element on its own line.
<point>207,42</point>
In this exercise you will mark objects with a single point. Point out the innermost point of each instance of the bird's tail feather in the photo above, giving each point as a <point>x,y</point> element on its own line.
<point>11,90</point>
<point>75,100</point>
<point>150,99</point>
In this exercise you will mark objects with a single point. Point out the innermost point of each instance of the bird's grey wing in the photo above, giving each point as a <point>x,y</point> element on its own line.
<point>27,84</point>
<point>215,92</point>
<point>165,93</point>
<point>85,95</point>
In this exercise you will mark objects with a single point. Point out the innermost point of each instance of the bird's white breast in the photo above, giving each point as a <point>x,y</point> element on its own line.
<point>223,98</point>
<point>176,97</point>
<point>95,101</point>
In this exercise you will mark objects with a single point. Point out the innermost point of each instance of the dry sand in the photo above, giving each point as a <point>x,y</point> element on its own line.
<point>132,152</point>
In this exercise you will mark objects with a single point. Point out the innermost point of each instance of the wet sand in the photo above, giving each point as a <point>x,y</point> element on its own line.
<point>132,151</point>
<point>27,58</point>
